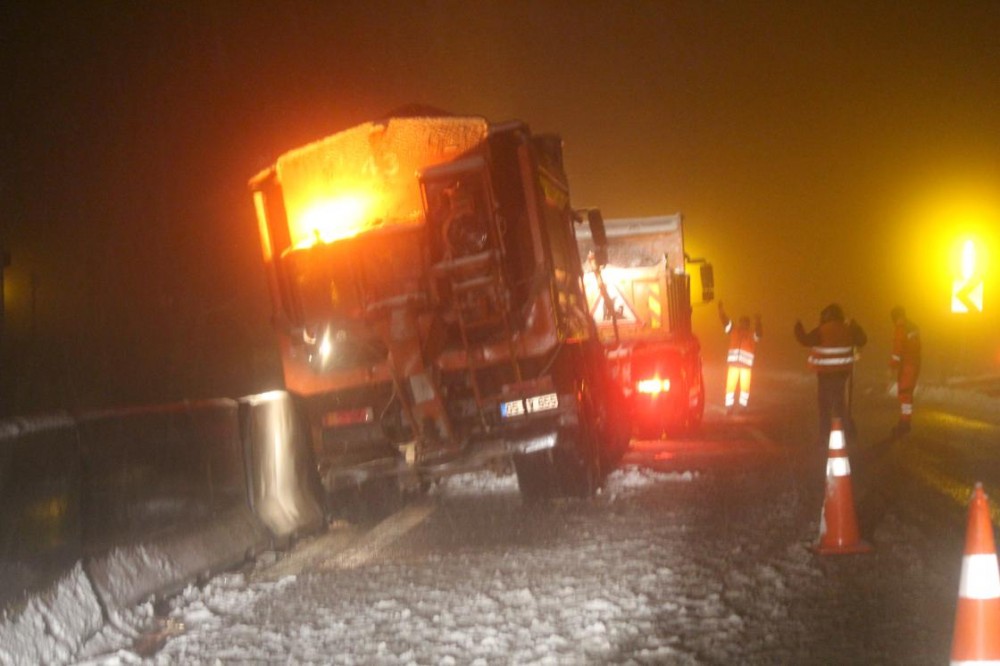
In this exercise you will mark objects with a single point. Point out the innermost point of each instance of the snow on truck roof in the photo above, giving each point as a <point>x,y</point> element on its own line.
<point>366,176</point>
<point>640,241</point>
<point>620,227</point>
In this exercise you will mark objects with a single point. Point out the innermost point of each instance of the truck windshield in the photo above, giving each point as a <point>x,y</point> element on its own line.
<point>336,282</point>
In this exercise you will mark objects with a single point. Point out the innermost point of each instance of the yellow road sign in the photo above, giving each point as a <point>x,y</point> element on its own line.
<point>967,295</point>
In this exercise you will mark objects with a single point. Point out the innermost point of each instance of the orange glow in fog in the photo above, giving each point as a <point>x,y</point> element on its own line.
<point>968,260</point>
<point>265,234</point>
<point>333,219</point>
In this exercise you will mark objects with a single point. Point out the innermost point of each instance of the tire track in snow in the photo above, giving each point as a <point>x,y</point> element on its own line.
<point>370,544</point>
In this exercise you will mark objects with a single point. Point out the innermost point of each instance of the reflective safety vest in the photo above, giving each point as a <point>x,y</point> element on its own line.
<point>835,352</point>
<point>742,344</point>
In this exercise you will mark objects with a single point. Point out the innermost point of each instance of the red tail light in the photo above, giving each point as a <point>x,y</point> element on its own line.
<point>346,417</point>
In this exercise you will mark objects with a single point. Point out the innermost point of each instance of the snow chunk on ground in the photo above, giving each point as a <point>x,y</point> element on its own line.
<point>52,626</point>
<point>629,479</point>
<point>476,483</point>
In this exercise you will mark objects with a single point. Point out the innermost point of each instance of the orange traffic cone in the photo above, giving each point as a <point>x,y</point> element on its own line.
<point>977,620</point>
<point>838,525</point>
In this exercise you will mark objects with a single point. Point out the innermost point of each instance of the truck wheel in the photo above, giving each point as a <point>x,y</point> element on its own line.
<point>579,463</point>
<point>572,469</point>
<point>696,414</point>
<point>579,474</point>
<point>617,435</point>
<point>535,476</point>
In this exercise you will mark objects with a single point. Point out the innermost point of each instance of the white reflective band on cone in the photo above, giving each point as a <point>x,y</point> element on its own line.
<point>980,577</point>
<point>836,440</point>
<point>838,467</point>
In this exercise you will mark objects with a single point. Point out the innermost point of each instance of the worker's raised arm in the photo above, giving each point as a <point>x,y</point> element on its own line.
<point>810,339</point>
<point>727,323</point>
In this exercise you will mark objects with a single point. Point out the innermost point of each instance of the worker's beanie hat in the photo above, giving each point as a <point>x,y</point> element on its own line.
<point>832,312</point>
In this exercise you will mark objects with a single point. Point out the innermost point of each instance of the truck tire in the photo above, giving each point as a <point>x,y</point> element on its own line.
<point>696,413</point>
<point>536,476</point>
<point>574,467</point>
<point>570,470</point>
<point>578,464</point>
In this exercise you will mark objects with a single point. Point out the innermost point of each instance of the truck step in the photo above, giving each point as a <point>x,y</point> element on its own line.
<point>478,261</point>
<point>475,284</point>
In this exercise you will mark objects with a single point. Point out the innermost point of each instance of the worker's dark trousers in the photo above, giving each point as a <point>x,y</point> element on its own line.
<point>833,402</point>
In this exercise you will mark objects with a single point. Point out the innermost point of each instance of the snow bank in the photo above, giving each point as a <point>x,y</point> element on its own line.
<point>53,625</point>
<point>969,402</point>
<point>129,574</point>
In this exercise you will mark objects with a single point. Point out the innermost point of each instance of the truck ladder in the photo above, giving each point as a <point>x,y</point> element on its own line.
<point>479,300</point>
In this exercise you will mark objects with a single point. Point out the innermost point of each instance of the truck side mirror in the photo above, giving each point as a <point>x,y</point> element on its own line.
<point>596,222</point>
<point>707,282</point>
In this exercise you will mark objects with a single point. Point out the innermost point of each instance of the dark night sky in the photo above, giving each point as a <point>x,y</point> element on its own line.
<point>820,151</point>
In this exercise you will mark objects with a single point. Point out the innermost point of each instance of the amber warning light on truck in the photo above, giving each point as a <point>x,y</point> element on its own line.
<point>331,220</point>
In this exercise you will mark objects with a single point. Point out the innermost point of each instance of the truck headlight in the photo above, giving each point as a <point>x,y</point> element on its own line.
<point>325,348</point>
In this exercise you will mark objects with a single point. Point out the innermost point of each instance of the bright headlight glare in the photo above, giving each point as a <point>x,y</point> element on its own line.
<point>325,347</point>
<point>653,386</point>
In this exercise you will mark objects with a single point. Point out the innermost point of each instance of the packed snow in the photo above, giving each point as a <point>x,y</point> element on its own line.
<point>663,568</point>
<point>700,566</point>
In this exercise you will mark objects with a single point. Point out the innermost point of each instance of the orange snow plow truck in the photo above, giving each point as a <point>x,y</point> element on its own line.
<point>641,300</point>
<point>428,298</point>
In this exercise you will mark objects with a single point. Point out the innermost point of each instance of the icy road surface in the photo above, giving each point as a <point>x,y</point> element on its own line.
<point>708,565</point>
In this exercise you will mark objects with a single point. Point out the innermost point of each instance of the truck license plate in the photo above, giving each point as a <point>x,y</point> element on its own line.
<point>537,403</point>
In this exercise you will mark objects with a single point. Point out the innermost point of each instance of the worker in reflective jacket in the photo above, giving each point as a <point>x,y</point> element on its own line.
<point>905,361</point>
<point>743,341</point>
<point>835,344</point>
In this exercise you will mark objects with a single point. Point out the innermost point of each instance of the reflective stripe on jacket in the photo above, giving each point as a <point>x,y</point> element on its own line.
<point>835,351</point>
<point>742,344</point>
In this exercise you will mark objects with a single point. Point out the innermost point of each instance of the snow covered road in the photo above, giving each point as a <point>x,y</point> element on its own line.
<point>705,566</point>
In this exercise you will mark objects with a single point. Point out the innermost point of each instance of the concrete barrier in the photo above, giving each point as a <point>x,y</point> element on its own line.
<point>105,509</point>
<point>165,498</point>
<point>48,605</point>
<point>284,486</point>
<point>40,522</point>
